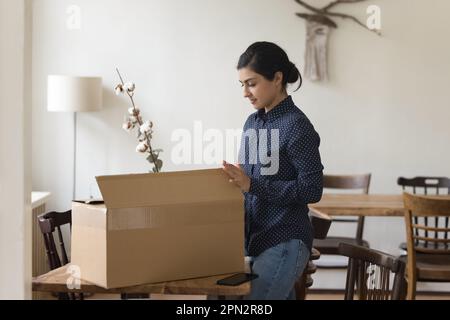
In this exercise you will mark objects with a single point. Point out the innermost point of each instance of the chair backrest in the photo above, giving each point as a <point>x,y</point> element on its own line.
<point>426,186</point>
<point>423,236</point>
<point>370,271</point>
<point>48,223</point>
<point>321,223</point>
<point>356,181</point>
<point>429,185</point>
<point>349,182</point>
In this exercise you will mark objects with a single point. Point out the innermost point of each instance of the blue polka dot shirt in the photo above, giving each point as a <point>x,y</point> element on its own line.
<point>276,206</point>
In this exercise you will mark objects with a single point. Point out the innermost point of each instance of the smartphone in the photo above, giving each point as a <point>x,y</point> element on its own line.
<point>90,201</point>
<point>237,279</point>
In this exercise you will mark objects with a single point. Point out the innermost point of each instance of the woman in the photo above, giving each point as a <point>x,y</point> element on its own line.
<point>278,233</point>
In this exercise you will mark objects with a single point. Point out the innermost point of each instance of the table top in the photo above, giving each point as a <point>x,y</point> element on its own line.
<point>56,281</point>
<point>362,205</point>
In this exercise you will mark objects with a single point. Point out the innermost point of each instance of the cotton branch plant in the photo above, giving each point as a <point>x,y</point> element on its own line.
<point>134,120</point>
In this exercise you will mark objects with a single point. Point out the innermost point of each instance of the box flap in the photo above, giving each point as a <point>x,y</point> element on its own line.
<point>151,189</point>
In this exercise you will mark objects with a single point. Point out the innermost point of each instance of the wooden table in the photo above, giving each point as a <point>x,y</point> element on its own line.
<point>55,281</point>
<point>362,205</point>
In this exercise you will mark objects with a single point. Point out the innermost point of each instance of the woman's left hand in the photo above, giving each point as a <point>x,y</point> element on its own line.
<point>237,176</point>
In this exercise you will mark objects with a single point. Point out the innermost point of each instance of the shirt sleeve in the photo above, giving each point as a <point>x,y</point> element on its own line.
<point>303,153</point>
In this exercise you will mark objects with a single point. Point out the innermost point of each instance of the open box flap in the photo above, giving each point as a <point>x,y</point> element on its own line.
<point>153,189</point>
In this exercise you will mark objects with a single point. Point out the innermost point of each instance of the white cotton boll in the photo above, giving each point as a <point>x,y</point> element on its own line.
<point>134,111</point>
<point>145,127</point>
<point>141,147</point>
<point>118,89</point>
<point>127,126</point>
<point>130,86</point>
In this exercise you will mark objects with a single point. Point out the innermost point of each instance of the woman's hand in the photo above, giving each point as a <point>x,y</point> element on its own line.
<point>237,176</point>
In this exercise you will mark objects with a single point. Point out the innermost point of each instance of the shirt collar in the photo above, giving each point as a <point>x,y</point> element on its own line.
<point>280,109</point>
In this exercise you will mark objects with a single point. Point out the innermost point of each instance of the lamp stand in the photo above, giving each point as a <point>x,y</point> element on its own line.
<point>74,155</point>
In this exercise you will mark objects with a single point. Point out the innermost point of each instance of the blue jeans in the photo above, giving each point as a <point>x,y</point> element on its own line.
<point>278,268</point>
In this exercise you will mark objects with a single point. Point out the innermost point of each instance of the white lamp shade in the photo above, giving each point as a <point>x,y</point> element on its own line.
<point>74,94</point>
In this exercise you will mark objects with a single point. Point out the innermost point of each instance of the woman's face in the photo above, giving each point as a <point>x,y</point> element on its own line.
<point>261,92</point>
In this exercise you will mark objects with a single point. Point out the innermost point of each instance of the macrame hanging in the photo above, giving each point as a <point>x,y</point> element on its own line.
<point>316,51</point>
<point>318,28</point>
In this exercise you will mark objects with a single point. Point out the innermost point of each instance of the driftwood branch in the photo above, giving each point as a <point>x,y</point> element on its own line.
<point>310,7</point>
<point>318,18</point>
<point>336,2</point>
<point>324,15</point>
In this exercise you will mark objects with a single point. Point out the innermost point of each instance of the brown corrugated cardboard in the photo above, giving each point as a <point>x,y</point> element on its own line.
<point>159,227</point>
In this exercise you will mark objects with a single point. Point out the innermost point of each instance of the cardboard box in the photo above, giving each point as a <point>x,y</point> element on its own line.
<point>159,227</point>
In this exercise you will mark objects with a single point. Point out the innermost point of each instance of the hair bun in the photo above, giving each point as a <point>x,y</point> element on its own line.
<point>293,73</point>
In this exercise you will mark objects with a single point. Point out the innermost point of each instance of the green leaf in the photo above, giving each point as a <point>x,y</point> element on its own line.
<point>150,158</point>
<point>159,164</point>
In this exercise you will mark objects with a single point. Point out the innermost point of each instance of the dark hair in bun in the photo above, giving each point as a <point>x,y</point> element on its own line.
<point>267,58</point>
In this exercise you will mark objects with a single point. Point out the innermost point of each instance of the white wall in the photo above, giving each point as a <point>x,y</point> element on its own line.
<point>15,150</point>
<point>384,110</point>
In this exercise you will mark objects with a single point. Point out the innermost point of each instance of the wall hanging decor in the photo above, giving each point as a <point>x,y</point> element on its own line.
<point>319,23</point>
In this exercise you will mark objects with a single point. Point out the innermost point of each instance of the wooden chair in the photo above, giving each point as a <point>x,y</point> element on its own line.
<point>321,224</point>
<point>370,272</point>
<point>330,245</point>
<point>428,243</point>
<point>49,223</point>
<point>425,186</point>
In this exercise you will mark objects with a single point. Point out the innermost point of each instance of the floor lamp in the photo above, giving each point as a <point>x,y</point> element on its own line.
<point>74,94</point>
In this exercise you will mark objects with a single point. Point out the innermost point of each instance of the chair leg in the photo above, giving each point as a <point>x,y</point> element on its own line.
<point>403,289</point>
<point>411,289</point>
<point>300,287</point>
